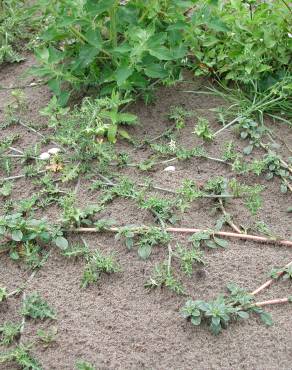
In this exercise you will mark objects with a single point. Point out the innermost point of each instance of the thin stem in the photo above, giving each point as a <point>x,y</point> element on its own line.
<point>16,150</point>
<point>185,230</point>
<point>228,125</point>
<point>228,218</point>
<point>20,176</point>
<point>269,282</point>
<point>272,301</point>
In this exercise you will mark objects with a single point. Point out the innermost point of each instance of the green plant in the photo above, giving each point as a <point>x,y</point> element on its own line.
<point>98,264</point>
<point>220,312</point>
<point>84,365</point>
<point>22,357</point>
<point>48,336</point>
<point>163,277</point>
<point>203,130</point>
<point>240,42</point>
<point>146,239</point>
<point>285,272</point>
<point>3,294</point>
<point>162,209</point>
<point>9,332</point>
<point>179,115</point>
<point>111,45</point>
<point>35,307</point>
<point>208,239</point>
<point>188,257</point>
<point>16,26</point>
<point>18,229</point>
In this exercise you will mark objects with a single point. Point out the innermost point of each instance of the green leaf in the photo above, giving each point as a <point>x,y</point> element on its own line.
<point>144,251</point>
<point>243,314</point>
<point>94,38</point>
<point>61,242</point>
<point>196,320</point>
<point>100,6</point>
<point>221,242</point>
<point>155,71</point>
<point>129,243</point>
<point>266,318</point>
<point>122,74</point>
<point>17,235</point>
<point>210,244</point>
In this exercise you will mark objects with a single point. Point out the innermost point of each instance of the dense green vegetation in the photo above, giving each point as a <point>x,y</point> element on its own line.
<point>109,53</point>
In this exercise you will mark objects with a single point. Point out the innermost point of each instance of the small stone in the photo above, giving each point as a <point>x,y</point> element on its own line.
<point>54,151</point>
<point>169,169</point>
<point>45,156</point>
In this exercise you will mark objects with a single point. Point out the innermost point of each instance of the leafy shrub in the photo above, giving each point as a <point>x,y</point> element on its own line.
<point>244,41</point>
<point>112,44</point>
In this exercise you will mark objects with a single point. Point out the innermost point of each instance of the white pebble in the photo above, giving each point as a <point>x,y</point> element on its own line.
<point>44,156</point>
<point>169,169</point>
<point>54,151</point>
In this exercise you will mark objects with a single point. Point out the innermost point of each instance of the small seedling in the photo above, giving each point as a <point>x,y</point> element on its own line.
<point>188,257</point>
<point>9,332</point>
<point>203,130</point>
<point>163,277</point>
<point>98,264</point>
<point>84,365</point>
<point>48,336</point>
<point>35,307</point>
<point>22,357</point>
<point>146,239</point>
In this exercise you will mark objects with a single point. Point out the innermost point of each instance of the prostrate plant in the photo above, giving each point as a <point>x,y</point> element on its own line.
<point>22,357</point>
<point>144,239</point>
<point>35,307</point>
<point>96,265</point>
<point>16,230</point>
<point>203,130</point>
<point>84,365</point>
<point>219,313</point>
<point>49,336</point>
<point>9,332</point>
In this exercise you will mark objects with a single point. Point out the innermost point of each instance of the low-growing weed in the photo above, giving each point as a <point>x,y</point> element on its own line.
<point>96,265</point>
<point>9,332</point>
<point>21,356</point>
<point>219,313</point>
<point>203,130</point>
<point>208,239</point>
<point>49,336</point>
<point>35,307</point>
<point>84,365</point>
<point>163,276</point>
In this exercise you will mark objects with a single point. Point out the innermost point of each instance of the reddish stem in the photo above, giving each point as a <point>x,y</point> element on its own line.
<point>272,301</point>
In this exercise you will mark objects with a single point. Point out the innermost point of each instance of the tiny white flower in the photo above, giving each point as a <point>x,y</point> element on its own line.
<point>54,151</point>
<point>44,156</point>
<point>261,40</point>
<point>290,35</point>
<point>172,145</point>
<point>169,169</point>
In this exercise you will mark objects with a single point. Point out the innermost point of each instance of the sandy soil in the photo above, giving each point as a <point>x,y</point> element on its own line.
<point>118,324</point>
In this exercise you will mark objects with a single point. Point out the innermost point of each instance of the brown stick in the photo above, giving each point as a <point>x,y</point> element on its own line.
<point>230,223</point>
<point>269,282</point>
<point>272,301</point>
<point>185,230</point>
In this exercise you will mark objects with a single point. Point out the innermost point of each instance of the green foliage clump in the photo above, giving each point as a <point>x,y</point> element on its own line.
<point>17,25</point>
<point>22,357</point>
<point>111,44</point>
<point>219,313</point>
<point>35,307</point>
<point>9,332</point>
<point>98,264</point>
<point>243,41</point>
